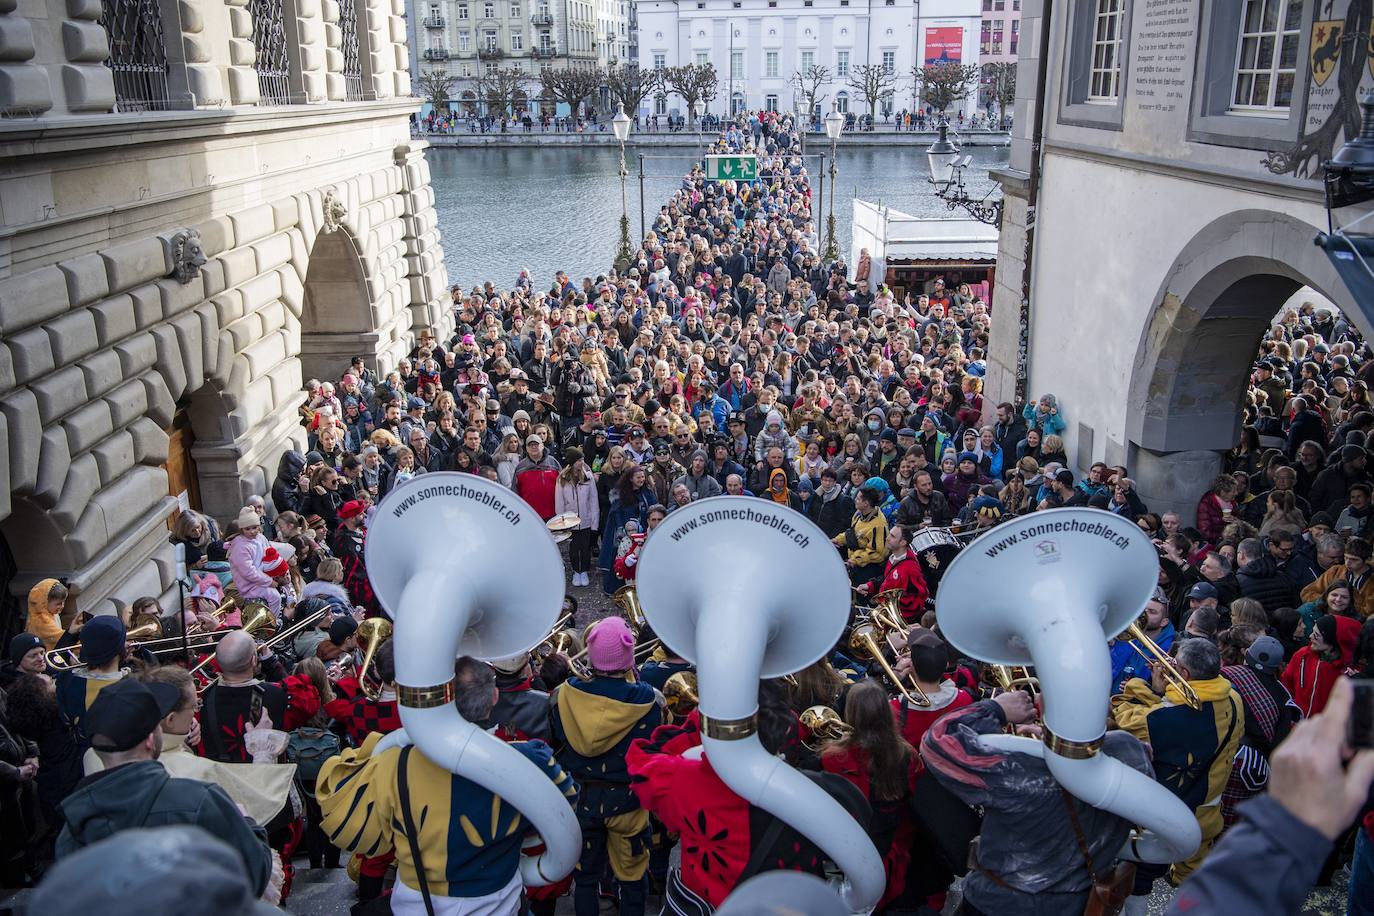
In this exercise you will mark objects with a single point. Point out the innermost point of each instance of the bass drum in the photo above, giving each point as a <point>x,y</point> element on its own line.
<point>936,548</point>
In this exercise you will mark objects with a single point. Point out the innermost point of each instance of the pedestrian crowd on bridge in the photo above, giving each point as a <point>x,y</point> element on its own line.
<point>729,355</point>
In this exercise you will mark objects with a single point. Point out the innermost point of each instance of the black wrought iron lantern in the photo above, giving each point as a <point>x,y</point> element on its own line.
<point>1349,237</point>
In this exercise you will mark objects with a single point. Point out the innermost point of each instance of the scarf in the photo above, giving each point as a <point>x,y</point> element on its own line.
<point>782,497</point>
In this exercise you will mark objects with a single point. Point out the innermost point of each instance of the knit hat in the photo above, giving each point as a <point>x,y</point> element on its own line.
<point>276,560</point>
<point>698,453</point>
<point>611,645</point>
<point>248,518</point>
<point>314,457</point>
<point>1265,655</point>
<point>520,415</point>
<point>888,435</point>
<point>351,508</point>
<point>340,628</point>
<point>571,455</point>
<point>103,638</point>
<point>968,456</point>
<point>22,645</point>
<point>349,380</point>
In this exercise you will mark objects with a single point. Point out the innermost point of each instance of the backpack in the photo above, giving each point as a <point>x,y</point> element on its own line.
<point>308,748</point>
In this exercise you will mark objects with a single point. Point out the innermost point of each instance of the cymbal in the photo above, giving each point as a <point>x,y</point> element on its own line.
<point>561,536</point>
<point>565,522</point>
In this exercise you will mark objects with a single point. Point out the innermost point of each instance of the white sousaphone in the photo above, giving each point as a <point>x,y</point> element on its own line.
<point>1049,590</point>
<point>747,589</point>
<point>465,567</point>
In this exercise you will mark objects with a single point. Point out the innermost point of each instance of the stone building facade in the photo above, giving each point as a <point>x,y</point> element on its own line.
<point>1162,200</point>
<point>177,254</point>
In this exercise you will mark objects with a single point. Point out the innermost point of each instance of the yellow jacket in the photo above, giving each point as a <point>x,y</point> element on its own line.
<point>469,838</point>
<point>866,539</point>
<point>1363,597</point>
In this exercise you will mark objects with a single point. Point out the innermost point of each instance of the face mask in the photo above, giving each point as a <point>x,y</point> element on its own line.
<point>873,425</point>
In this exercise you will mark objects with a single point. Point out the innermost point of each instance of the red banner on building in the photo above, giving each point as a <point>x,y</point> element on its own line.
<point>944,45</point>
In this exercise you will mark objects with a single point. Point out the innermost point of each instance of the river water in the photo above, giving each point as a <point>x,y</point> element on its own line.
<point>555,209</point>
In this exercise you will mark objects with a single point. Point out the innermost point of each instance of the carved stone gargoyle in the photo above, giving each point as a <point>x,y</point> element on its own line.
<point>334,212</point>
<point>188,257</point>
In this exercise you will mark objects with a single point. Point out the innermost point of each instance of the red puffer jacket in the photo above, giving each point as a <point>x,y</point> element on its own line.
<point>1310,679</point>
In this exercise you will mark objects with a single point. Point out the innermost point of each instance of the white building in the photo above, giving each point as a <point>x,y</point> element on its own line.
<point>466,38</point>
<point>757,45</point>
<point>1176,196</point>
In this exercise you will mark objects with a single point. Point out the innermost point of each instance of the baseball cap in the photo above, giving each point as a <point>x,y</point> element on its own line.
<point>1064,476</point>
<point>1265,655</point>
<point>126,712</point>
<point>907,431</point>
<point>340,628</point>
<point>1203,590</point>
<point>102,639</point>
<point>415,404</point>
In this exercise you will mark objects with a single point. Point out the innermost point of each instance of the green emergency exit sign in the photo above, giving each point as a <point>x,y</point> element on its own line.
<point>732,168</point>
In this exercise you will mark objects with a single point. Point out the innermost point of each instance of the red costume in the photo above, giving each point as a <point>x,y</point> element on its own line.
<point>904,573</point>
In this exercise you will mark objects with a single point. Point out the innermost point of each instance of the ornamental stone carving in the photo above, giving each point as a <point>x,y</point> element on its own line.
<point>187,255</point>
<point>334,212</point>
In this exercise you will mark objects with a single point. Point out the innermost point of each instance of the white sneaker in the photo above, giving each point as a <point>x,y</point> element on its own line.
<point>586,579</point>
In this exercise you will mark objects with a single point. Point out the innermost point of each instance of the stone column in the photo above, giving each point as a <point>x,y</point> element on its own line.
<point>335,87</point>
<point>243,79</point>
<point>310,33</point>
<point>1174,481</point>
<point>375,41</point>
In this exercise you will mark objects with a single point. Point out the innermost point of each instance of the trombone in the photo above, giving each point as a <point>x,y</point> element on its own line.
<point>862,639</point>
<point>1147,646</point>
<point>260,623</point>
<point>141,629</point>
<point>196,631</point>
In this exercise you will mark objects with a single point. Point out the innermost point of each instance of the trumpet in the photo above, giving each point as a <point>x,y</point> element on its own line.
<point>373,632</point>
<point>862,639</point>
<point>557,637</point>
<point>1136,631</point>
<point>824,724</point>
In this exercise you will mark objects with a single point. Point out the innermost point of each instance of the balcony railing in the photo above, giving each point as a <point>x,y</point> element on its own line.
<point>542,18</point>
<point>542,53</point>
<point>436,54</point>
<point>490,54</point>
<point>434,22</point>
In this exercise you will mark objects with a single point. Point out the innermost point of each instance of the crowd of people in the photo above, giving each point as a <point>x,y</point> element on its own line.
<point>728,358</point>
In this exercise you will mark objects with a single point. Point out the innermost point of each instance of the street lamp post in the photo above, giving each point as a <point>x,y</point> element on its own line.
<point>621,125</point>
<point>834,126</point>
<point>947,175</point>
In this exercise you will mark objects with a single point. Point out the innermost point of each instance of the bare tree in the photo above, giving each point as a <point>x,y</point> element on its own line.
<point>629,85</point>
<point>872,83</point>
<point>806,85</point>
<point>500,88</point>
<point>572,86</point>
<point>436,88</point>
<point>999,77</point>
<point>941,85</point>
<point>695,83</point>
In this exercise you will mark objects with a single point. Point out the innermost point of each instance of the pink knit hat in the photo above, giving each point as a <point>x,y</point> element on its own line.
<point>611,645</point>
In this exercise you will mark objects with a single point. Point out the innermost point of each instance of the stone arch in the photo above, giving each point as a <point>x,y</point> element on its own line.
<point>1189,376</point>
<point>337,312</point>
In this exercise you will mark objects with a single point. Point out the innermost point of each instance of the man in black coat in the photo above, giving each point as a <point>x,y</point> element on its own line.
<point>1330,491</point>
<point>1260,578</point>
<point>924,505</point>
<point>1009,430</point>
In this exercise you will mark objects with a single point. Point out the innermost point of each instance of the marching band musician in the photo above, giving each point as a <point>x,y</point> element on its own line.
<point>457,845</point>
<point>594,723</point>
<point>102,657</point>
<point>522,709</point>
<point>347,545</point>
<point>903,571</point>
<point>1192,750</point>
<point>1040,849</point>
<point>725,840</point>
<point>925,660</point>
<point>241,696</point>
<point>880,763</point>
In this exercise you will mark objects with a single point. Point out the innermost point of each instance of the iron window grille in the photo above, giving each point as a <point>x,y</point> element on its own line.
<point>138,55</point>
<point>270,62</point>
<point>352,61</point>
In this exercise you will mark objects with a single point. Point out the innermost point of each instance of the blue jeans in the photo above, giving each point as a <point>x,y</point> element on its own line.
<point>1361,901</point>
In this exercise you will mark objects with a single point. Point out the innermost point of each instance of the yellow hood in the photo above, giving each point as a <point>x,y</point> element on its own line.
<point>1208,691</point>
<point>41,623</point>
<point>594,724</point>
